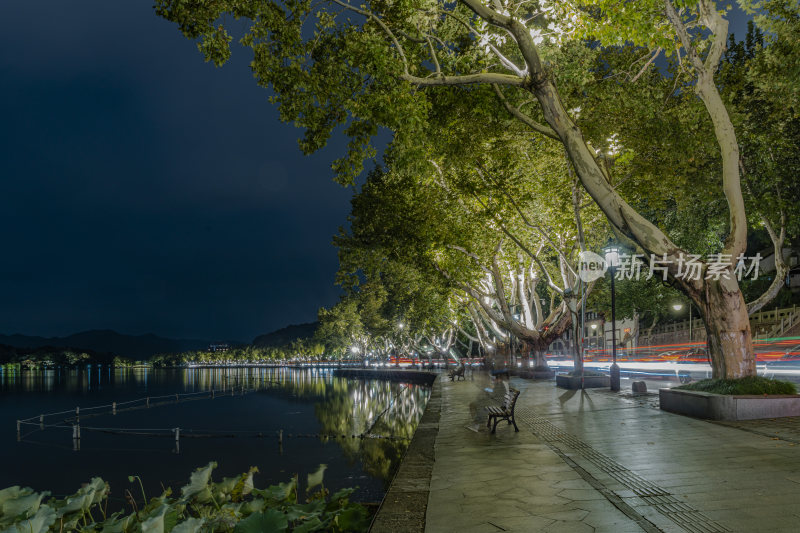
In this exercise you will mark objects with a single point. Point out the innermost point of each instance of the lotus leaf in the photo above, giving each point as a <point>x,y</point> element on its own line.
<point>270,521</point>
<point>198,483</point>
<point>190,525</point>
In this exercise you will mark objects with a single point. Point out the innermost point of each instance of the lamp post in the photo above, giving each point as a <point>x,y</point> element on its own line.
<point>612,262</point>
<point>678,307</point>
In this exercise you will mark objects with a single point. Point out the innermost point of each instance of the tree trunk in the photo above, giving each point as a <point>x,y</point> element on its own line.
<point>539,361</point>
<point>577,340</point>
<point>727,323</point>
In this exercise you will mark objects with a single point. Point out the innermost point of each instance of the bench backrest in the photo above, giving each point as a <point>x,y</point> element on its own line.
<point>510,400</point>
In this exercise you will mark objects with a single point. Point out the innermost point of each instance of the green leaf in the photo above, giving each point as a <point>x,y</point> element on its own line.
<point>198,483</point>
<point>301,512</point>
<point>313,524</point>
<point>11,493</point>
<point>317,477</point>
<point>38,523</point>
<point>270,521</point>
<point>22,502</point>
<point>252,506</point>
<point>342,495</point>
<point>115,524</point>
<point>282,492</point>
<point>190,525</point>
<point>353,518</point>
<point>155,523</point>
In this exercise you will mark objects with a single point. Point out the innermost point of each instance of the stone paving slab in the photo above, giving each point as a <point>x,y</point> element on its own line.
<point>597,461</point>
<point>507,481</point>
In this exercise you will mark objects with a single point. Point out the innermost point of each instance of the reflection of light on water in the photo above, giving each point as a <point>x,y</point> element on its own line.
<point>343,406</point>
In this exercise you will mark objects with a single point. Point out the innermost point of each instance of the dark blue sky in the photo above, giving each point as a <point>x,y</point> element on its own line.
<point>144,190</point>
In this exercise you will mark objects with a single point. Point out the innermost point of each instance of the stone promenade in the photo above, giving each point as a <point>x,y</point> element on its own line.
<point>594,461</point>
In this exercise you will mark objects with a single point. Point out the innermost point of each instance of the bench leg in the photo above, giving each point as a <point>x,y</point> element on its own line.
<point>496,421</point>
<point>516,429</point>
<point>489,421</point>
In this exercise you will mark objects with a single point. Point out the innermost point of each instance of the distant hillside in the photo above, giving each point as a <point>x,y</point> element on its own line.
<point>286,335</point>
<point>53,355</point>
<point>108,341</point>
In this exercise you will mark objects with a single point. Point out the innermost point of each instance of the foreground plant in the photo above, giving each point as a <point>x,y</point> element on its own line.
<point>233,504</point>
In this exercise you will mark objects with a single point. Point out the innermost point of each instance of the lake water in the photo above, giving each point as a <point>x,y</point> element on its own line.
<point>313,408</point>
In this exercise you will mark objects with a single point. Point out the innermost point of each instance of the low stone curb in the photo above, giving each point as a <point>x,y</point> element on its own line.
<point>406,502</point>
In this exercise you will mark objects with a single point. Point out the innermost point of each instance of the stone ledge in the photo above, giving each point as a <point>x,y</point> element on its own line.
<point>712,406</point>
<point>404,506</point>
<point>564,381</point>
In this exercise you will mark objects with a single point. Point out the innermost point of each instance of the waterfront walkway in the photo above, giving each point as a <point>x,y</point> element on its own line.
<point>595,461</point>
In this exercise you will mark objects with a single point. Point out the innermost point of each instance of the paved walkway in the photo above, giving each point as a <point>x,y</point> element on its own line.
<point>596,461</point>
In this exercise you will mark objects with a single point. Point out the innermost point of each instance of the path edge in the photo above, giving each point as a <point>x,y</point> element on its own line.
<point>406,502</point>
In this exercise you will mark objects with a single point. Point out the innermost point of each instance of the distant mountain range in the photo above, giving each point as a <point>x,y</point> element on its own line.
<point>283,336</point>
<point>108,341</point>
<point>145,346</point>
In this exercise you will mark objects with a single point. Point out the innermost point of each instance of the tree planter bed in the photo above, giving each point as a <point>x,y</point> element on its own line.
<point>565,381</point>
<point>727,407</point>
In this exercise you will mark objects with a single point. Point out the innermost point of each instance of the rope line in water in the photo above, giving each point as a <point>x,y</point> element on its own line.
<point>146,399</point>
<point>212,434</point>
<point>113,408</point>
<point>208,433</point>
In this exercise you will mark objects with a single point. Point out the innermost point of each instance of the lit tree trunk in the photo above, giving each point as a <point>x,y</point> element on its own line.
<point>540,361</point>
<point>728,329</point>
<point>731,348</point>
<point>577,349</point>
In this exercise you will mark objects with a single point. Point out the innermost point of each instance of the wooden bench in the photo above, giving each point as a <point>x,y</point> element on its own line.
<point>505,411</point>
<point>456,373</point>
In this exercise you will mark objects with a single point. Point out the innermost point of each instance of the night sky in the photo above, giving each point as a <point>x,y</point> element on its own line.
<point>144,190</point>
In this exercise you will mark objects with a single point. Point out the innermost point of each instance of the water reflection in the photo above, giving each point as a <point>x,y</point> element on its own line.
<point>377,417</point>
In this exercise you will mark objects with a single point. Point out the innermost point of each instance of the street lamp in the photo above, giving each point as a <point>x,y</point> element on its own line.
<point>678,307</point>
<point>612,262</point>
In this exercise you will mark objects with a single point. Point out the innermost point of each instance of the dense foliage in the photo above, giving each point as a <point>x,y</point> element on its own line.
<point>756,385</point>
<point>303,348</point>
<point>489,101</point>
<point>203,506</point>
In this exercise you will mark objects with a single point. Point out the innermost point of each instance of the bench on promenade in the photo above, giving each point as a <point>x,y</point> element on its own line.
<point>456,373</point>
<point>505,411</point>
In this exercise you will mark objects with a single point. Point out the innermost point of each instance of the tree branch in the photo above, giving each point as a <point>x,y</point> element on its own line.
<point>781,268</point>
<point>522,117</point>
<point>646,65</point>
<point>466,79</point>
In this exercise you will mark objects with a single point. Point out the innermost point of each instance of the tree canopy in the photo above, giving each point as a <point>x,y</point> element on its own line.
<point>474,91</point>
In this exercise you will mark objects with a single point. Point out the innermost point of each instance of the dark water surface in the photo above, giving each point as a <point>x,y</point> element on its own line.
<point>303,403</point>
